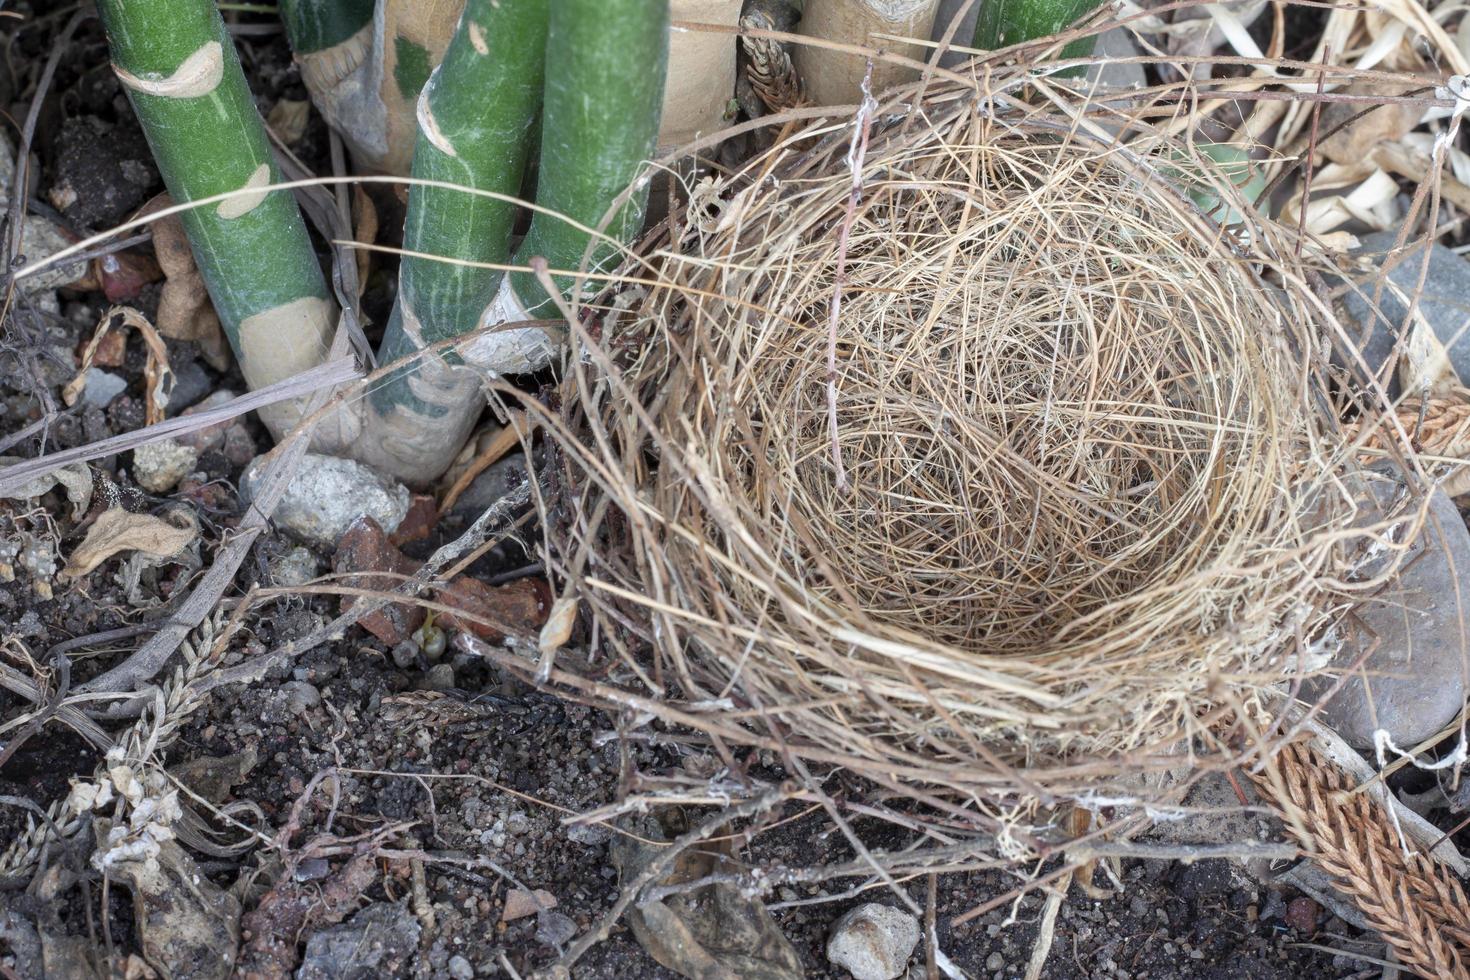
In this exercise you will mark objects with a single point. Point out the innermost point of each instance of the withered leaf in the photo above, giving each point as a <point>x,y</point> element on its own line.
<point>117,531</point>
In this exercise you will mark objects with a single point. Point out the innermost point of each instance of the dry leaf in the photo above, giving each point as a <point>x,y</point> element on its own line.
<point>156,373</point>
<point>1355,141</point>
<point>184,309</point>
<point>287,119</point>
<point>366,233</point>
<point>559,623</point>
<point>75,478</point>
<point>117,531</point>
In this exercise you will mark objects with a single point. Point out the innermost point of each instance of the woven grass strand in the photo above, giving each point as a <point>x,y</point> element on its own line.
<point>1418,907</point>
<point>1098,485</point>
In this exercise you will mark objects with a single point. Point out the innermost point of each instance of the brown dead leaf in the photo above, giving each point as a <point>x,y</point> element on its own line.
<point>157,373</point>
<point>117,531</point>
<point>1356,140</point>
<point>287,119</point>
<point>184,309</point>
<point>366,233</point>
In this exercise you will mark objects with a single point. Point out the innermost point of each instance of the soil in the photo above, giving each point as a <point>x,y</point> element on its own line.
<point>484,798</point>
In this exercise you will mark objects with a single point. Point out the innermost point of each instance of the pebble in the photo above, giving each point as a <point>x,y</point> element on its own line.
<point>191,383</point>
<point>554,929</point>
<point>300,697</point>
<point>296,566</point>
<point>995,961</point>
<point>1442,304</point>
<point>873,942</point>
<point>379,941</point>
<point>1302,914</point>
<point>102,387</point>
<point>1416,676</point>
<point>159,466</point>
<point>327,495</point>
<point>460,968</point>
<point>439,678</point>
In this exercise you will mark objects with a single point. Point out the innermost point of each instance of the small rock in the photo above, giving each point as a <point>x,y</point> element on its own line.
<point>102,387</point>
<point>378,941</point>
<point>191,383</point>
<point>239,446</point>
<point>873,942</point>
<point>589,834</point>
<point>1109,74</point>
<point>41,239</point>
<point>1414,683</point>
<point>995,961</point>
<point>554,929</point>
<point>1442,304</point>
<point>487,489</point>
<point>211,436</point>
<point>460,968</point>
<point>297,566</point>
<point>439,678</point>
<point>301,697</point>
<point>159,466</point>
<point>520,903</point>
<point>1302,914</point>
<point>328,494</point>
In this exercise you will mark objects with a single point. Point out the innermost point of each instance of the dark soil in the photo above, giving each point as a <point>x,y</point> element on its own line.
<point>495,789</point>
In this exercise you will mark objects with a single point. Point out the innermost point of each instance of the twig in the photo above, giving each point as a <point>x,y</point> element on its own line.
<point>858,149</point>
<point>1046,935</point>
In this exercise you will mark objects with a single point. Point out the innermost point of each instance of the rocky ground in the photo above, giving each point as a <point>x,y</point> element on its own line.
<point>389,803</point>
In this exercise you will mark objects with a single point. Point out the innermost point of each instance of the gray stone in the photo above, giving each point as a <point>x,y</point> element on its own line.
<point>554,929</point>
<point>301,697</point>
<point>41,239</point>
<point>460,968</point>
<point>296,567</point>
<point>1109,75</point>
<point>490,486</point>
<point>191,383</point>
<point>102,387</point>
<point>159,466</point>
<point>873,942</point>
<point>1444,304</point>
<point>378,941</point>
<point>1413,683</point>
<point>439,678</point>
<point>327,495</point>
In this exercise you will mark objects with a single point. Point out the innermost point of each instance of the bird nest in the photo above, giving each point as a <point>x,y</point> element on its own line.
<point>1067,506</point>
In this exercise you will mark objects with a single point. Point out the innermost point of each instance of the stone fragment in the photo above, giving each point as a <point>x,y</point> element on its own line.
<point>327,495</point>
<point>520,903</point>
<point>1413,683</point>
<point>873,942</point>
<point>159,466</point>
<point>379,941</point>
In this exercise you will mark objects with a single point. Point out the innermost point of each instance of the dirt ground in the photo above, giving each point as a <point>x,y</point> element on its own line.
<point>481,799</point>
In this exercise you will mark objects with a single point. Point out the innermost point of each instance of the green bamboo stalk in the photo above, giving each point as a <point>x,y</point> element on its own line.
<point>316,25</point>
<point>606,61</point>
<point>475,118</point>
<point>184,79</point>
<point>1002,23</point>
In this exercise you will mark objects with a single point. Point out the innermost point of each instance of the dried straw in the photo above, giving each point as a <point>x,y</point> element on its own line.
<point>1096,489</point>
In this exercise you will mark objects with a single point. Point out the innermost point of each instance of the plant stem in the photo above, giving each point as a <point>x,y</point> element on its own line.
<point>316,25</point>
<point>604,63</point>
<point>604,88</point>
<point>1002,23</point>
<point>184,79</point>
<point>474,123</point>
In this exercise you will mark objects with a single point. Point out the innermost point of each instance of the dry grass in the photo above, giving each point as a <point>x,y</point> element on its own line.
<point>1099,496</point>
